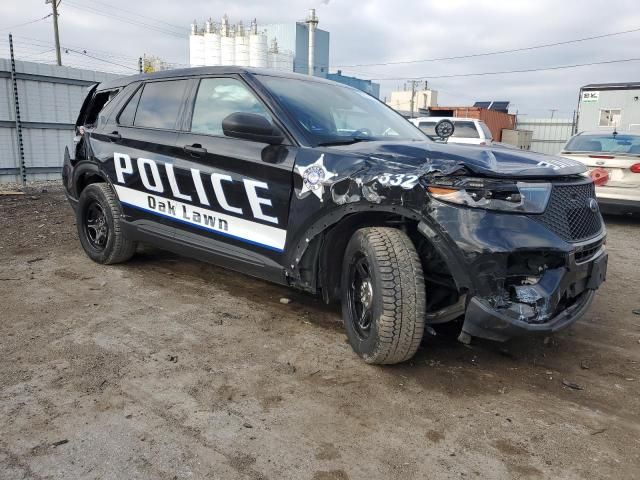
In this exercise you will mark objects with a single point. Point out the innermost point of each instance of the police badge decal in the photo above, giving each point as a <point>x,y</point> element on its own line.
<point>314,177</point>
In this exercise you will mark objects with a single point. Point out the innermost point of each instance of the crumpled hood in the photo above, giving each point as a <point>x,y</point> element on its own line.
<point>492,160</point>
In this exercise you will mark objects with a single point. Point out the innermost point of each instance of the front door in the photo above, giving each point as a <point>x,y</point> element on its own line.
<point>236,192</point>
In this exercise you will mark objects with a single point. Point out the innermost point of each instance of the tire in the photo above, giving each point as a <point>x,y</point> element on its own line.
<point>99,222</point>
<point>383,295</point>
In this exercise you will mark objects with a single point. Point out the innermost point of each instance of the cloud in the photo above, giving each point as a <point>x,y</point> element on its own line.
<point>380,31</point>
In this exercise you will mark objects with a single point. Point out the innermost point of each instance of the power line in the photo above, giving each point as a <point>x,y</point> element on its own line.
<point>43,43</point>
<point>67,50</point>
<point>26,23</point>
<point>180,28</point>
<point>138,23</point>
<point>496,52</point>
<point>34,44</point>
<point>526,70</point>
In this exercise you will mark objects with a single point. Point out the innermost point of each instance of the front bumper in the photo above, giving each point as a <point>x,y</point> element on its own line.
<point>519,277</point>
<point>620,206</point>
<point>486,321</point>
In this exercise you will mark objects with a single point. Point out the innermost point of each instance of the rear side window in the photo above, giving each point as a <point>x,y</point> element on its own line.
<point>160,104</point>
<point>465,130</point>
<point>129,113</point>
<point>428,127</point>
<point>98,103</point>
<point>219,97</point>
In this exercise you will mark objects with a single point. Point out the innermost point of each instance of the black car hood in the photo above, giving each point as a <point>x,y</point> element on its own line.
<point>494,161</point>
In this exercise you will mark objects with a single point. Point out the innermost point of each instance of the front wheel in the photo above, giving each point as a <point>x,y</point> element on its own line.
<point>383,295</point>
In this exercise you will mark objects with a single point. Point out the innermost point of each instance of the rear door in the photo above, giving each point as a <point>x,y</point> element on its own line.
<point>137,149</point>
<point>237,192</point>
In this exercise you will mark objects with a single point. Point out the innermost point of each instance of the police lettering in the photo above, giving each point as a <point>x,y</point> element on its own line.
<point>152,181</point>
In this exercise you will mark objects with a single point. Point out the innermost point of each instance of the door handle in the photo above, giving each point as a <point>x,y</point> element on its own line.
<point>113,136</point>
<point>195,149</point>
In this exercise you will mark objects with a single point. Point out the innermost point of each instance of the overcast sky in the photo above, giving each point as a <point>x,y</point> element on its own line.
<point>369,32</point>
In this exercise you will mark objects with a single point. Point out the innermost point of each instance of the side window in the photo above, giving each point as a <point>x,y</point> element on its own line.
<point>428,127</point>
<point>98,104</point>
<point>219,97</point>
<point>160,104</point>
<point>128,114</point>
<point>465,130</point>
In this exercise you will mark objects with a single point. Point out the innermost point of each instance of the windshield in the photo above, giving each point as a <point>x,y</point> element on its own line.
<point>608,143</point>
<point>336,114</point>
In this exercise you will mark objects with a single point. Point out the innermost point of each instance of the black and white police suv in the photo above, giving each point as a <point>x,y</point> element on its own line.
<point>316,185</point>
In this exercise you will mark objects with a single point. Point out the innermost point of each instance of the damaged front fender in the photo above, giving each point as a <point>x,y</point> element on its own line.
<point>330,186</point>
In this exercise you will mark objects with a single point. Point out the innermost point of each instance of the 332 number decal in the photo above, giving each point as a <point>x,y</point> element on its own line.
<point>398,179</point>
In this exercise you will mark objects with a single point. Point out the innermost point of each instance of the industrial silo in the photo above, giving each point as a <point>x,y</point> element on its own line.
<point>257,47</point>
<point>227,43</point>
<point>278,60</point>
<point>211,45</point>
<point>196,47</point>
<point>242,47</point>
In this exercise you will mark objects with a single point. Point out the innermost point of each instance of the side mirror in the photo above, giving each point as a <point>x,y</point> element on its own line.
<point>444,129</point>
<point>251,126</point>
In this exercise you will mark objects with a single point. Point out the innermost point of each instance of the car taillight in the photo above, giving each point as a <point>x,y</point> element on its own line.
<point>635,168</point>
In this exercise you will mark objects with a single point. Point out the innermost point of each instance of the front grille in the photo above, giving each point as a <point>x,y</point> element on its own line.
<point>568,213</point>
<point>587,252</point>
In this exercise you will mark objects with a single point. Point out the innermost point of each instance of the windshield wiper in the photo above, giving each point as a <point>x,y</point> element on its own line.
<point>346,141</point>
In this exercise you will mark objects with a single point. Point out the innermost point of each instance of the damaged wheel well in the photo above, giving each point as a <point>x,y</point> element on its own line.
<point>441,288</point>
<point>87,178</point>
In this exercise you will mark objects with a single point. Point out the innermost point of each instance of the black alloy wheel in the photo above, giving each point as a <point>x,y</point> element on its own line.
<point>96,226</point>
<point>360,296</point>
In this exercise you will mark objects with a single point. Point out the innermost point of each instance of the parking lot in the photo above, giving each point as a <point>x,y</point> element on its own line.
<point>166,368</point>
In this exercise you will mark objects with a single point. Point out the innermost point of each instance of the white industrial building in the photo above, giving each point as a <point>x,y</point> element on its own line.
<point>411,100</point>
<point>231,44</point>
<point>296,46</point>
<point>299,46</point>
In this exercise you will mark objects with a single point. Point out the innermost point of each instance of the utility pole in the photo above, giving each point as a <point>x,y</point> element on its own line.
<point>54,5</point>
<point>553,110</point>
<point>413,95</point>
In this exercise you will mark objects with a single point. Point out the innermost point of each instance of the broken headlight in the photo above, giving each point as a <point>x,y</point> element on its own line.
<point>492,194</point>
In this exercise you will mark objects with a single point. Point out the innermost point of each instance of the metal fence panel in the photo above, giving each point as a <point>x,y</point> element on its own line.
<point>549,134</point>
<point>50,98</point>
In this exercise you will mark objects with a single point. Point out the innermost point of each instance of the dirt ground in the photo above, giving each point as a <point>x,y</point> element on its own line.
<point>167,368</point>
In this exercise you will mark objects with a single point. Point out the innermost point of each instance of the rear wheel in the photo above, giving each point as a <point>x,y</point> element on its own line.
<point>98,218</point>
<point>383,295</point>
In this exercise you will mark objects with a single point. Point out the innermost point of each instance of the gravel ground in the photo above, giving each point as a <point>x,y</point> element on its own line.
<point>167,368</point>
